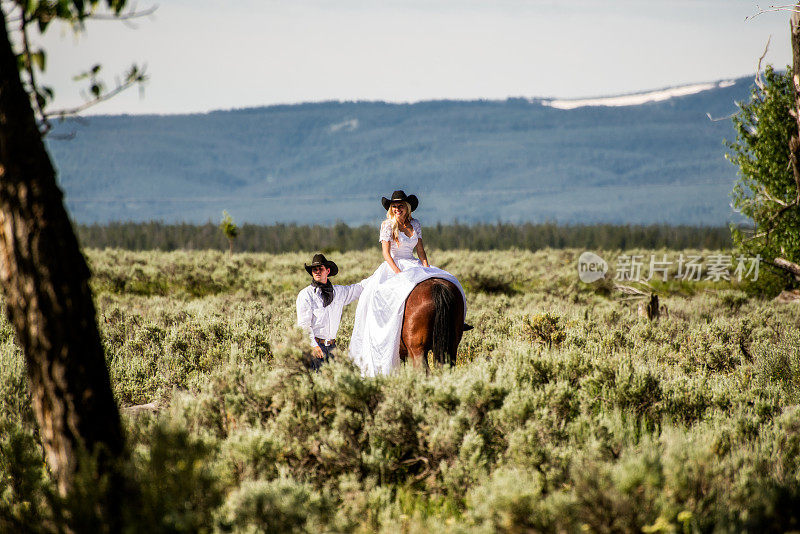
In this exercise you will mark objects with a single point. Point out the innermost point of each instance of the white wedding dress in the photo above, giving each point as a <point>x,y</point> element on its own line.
<point>375,343</point>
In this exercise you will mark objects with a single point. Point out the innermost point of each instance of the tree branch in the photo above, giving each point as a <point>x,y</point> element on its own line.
<point>773,199</point>
<point>132,14</point>
<point>759,83</point>
<point>792,8</point>
<point>36,98</point>
<point>134,77</point>
<point>727,117</point>
<point>758,80</point>
<point>630,290</point>
<point>788,266</point>
<point>770,222</point>
<point>754,236</point>
<point>40,96</point>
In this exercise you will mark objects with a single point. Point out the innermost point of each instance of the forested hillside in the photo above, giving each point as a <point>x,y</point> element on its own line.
<point>481,161</point>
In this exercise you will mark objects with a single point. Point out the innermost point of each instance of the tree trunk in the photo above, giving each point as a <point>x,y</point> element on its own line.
<point>794,142</point>
<point>45,280</point>
<point>652,308</point>
<point>794,25</point>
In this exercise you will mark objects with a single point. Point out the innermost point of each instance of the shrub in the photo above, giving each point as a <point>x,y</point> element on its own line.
<point>778,361</point>
<point>273,506</point>
<point>688,423</point>
<point>489,284</point>
<point>545,328</point>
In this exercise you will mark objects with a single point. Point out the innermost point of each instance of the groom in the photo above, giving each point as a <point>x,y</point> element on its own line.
<point>320,305</point>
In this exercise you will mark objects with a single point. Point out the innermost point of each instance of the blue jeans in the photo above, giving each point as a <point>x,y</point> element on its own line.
<point>327,350</point>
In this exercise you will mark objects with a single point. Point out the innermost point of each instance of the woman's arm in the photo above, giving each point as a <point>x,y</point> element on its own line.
<point>385,246</point>
<point>421,253</point>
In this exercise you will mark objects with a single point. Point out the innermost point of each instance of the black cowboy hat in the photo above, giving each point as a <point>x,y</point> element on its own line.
<point>319,259</point>
<point>400,196</point>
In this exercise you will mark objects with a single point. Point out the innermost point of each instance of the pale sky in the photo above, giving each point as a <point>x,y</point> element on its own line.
<point>203,55</point>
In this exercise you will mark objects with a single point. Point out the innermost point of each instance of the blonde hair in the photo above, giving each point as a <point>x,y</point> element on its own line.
<point>393,222</point>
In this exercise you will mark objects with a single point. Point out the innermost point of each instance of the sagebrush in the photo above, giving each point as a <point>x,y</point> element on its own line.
<point>565,412</point>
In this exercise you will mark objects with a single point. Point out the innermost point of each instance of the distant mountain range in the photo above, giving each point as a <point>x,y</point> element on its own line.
<point>643,158</point>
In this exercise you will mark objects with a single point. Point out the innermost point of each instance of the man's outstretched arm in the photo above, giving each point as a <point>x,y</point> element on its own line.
<point>352,292</point>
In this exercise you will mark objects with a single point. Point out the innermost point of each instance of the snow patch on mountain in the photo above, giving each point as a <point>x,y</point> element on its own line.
<point>637,98</point>
<point>349,125</point>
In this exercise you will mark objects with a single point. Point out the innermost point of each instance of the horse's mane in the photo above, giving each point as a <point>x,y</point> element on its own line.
<point>444,334</point>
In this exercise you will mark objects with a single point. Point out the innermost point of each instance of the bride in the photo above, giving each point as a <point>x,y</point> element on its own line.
<point>375,343</point>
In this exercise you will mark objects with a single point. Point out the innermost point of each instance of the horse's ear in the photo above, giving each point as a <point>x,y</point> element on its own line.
<point>467,327</point>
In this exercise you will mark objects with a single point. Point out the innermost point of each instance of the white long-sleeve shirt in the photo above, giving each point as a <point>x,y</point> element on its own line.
<point>323,321</point>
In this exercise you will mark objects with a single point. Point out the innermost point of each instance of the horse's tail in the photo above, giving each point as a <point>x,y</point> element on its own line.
<point>444,322</point>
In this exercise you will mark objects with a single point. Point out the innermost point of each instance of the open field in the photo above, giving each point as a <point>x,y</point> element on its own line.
<point>566,411</point>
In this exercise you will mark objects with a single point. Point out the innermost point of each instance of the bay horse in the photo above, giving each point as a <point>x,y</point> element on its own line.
<point>433,320</point>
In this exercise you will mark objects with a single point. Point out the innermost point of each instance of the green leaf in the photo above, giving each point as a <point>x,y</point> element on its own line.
<point>135,75</point>
<point>42,23</point>
<point>95,69</point>
<point>63,10</point>
<point>39,59</point>
<point>96,88</point>
<point>80,8</point>
<point>116,5</point>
